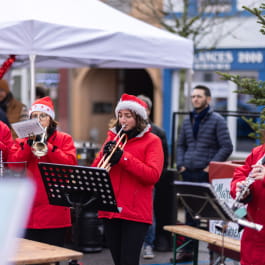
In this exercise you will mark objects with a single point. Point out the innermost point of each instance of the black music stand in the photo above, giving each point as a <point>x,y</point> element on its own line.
<point>78,187</point>
<point>201,202</point>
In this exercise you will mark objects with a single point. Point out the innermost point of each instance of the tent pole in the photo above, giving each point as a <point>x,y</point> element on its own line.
<point>32,78</point>
<point>189,75</point>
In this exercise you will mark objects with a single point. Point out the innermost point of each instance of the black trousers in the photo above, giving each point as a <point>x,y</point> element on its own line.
<point>125,239</point>
<point>54,236</point>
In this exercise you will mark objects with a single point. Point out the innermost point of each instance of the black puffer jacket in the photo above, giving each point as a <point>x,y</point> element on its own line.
<point>213,142</point>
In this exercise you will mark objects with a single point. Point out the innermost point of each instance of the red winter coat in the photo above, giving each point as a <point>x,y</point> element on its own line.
<point>6,140</point>
<point>61,150</point>
<point>134,177</point>
<point>252,241</point>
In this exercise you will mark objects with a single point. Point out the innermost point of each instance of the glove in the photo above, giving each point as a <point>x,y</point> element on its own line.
<point>31,140</point>
<point>115,158</point>
<point>108,147</point>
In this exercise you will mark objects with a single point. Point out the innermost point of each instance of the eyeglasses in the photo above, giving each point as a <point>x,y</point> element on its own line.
<point>42,116</point>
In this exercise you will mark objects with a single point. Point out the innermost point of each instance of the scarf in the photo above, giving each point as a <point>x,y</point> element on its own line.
<point>197,118</point>
<point>130,133</point>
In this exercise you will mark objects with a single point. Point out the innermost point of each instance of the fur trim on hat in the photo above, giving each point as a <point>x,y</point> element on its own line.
<point>132,103</point>
<point>44,105</point>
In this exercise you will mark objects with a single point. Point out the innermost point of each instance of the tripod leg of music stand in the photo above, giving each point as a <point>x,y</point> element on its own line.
<point>195,252</point>
<point>76,232</point>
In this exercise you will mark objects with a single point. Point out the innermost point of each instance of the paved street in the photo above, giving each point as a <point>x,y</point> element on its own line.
<point>104,258</point>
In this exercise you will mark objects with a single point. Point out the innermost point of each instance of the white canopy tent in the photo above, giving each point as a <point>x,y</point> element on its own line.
<point>82,33</point>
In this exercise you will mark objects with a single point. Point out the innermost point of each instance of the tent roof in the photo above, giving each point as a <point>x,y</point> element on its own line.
<point>80,33</point>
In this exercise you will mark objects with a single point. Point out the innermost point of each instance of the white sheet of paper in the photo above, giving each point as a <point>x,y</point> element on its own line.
<point>26,128</point>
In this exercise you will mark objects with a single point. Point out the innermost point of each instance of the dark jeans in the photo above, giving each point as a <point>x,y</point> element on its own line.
<point>124,239</point>
<point>198,176</point>
<point>55,236</point>
<point>151,232</point>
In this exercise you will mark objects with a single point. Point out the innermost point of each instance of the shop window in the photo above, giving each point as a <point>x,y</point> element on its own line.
<point>102,108</point>
<point>208,77</point>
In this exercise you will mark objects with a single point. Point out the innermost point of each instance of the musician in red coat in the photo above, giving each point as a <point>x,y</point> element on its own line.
<point>47,223</point>
<point>252,241</point>
<point>134,172</point>
<point>6,140</point>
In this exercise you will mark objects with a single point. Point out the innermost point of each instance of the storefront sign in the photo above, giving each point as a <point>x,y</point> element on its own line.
<point>230,59</point>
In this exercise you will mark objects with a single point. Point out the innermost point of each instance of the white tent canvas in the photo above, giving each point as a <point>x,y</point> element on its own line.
<point>81,33</point>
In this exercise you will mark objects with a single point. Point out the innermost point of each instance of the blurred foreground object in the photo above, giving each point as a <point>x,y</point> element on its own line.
<point>16,197</point>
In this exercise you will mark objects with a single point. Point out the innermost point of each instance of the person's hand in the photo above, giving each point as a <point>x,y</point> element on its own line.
<point>239,187</point>
<point>108,147</point>
<point>258,172</point>
<point>116,156</point>
<point>32,139</point>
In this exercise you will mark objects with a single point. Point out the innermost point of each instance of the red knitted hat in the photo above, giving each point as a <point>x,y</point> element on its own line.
<point>132,103</point>
<point>44,105</point>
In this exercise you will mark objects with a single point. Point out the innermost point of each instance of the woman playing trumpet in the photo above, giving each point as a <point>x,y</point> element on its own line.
<point>47,223</point>
<point>134,170</point>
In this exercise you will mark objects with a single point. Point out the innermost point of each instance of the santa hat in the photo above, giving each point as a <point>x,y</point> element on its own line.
<point>132,103</point>
<point>44,105</point>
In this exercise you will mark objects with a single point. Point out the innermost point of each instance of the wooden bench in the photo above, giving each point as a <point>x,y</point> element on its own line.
<point>32,252</point>
<point>200,235</point>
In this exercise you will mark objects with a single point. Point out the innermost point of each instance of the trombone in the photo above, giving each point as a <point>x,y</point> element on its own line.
<point>105,160</point>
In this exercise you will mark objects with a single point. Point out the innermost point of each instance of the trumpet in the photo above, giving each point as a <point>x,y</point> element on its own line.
<point>105,160</point>
<point>40,148</point>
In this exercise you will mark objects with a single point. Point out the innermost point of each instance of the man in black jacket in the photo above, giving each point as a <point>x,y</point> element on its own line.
<point>204,137</point>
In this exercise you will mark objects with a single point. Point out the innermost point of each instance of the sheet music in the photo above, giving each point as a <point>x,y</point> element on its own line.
<point>26,128</point>
<point>203,201</point>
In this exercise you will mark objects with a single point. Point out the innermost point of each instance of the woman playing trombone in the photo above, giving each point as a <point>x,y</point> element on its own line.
<point>134,167</point>
<point>47,223</point>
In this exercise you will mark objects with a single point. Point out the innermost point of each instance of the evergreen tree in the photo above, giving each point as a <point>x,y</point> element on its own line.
<point>251,86</point>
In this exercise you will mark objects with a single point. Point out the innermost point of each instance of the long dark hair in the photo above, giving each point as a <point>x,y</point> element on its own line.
<point>52,127</point>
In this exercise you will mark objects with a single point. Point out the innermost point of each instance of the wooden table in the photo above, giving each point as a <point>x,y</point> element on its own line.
<point>201,235</point>
<point>32,252</point>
